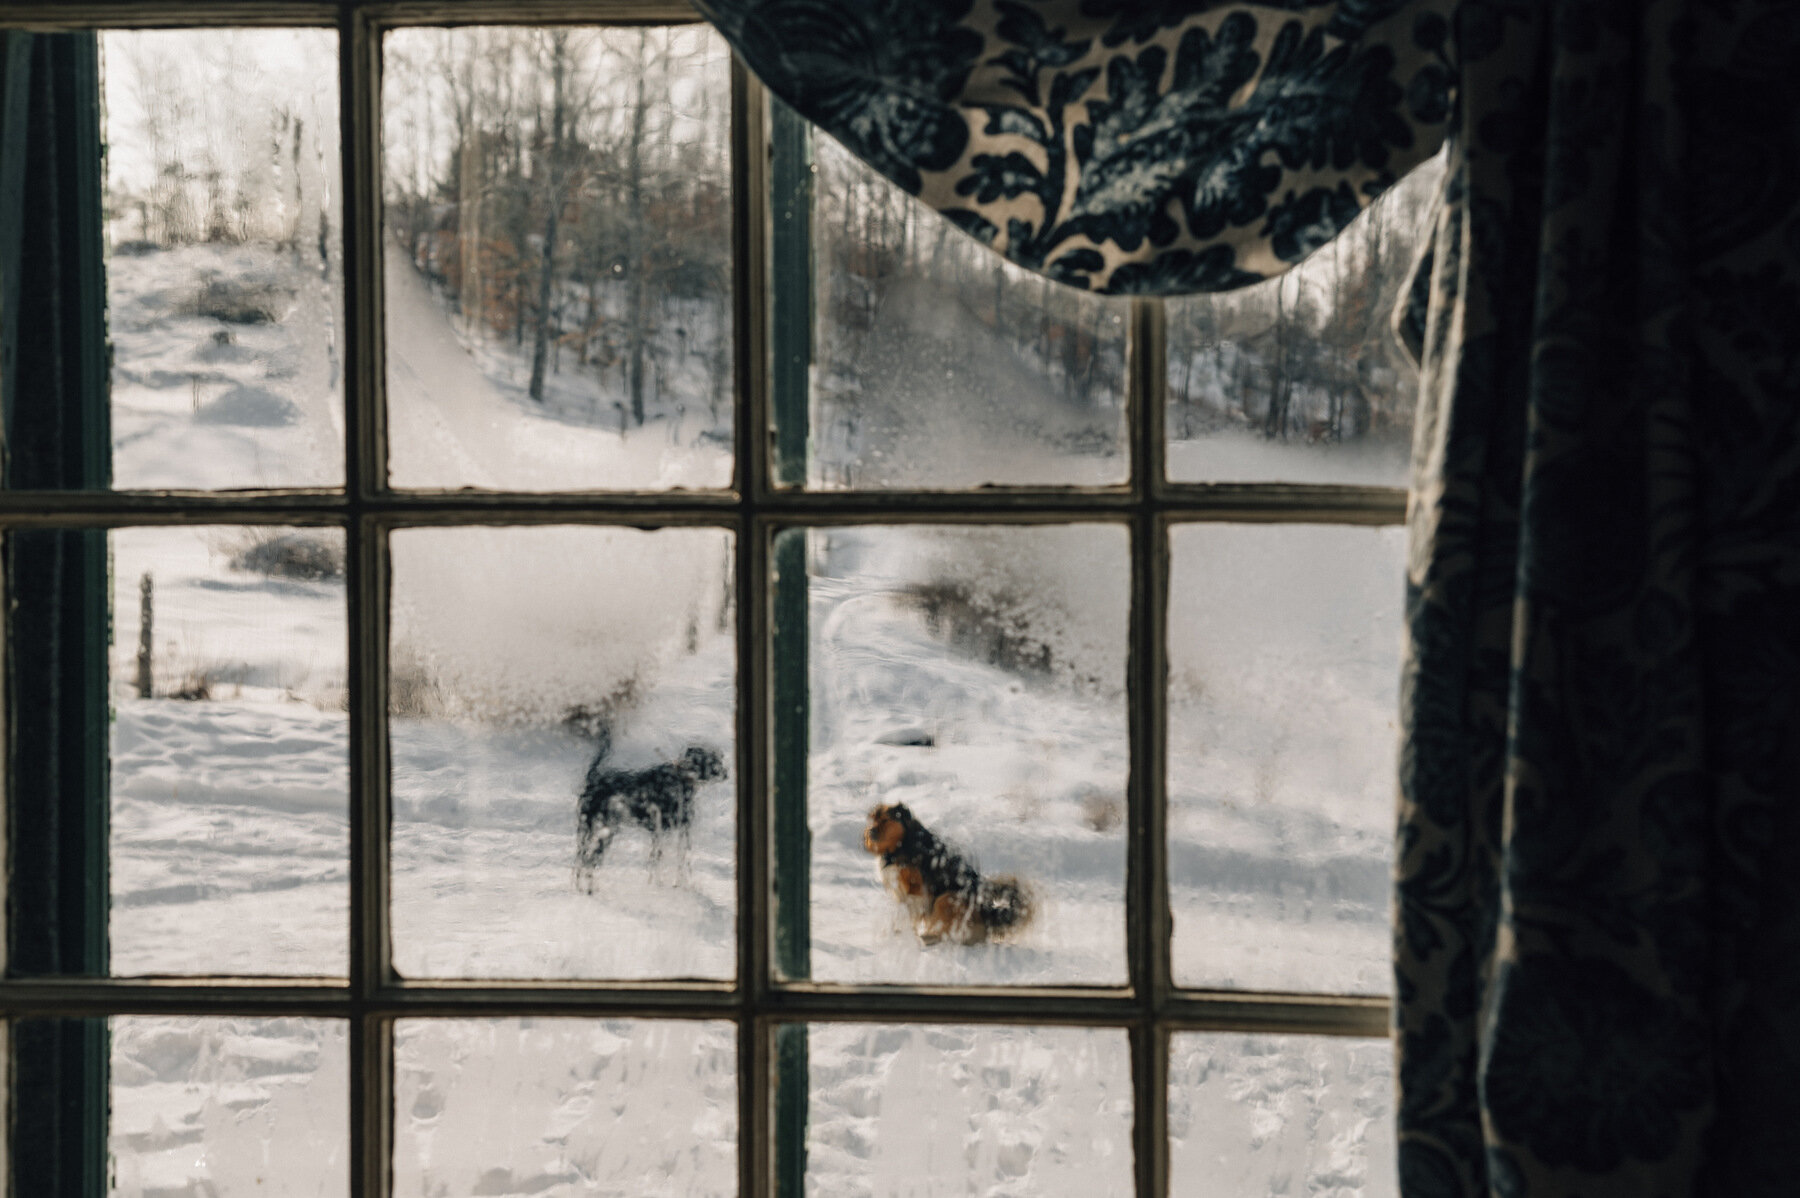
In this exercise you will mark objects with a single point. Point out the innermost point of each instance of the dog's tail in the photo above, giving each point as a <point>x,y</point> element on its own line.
<point>1004,904</point>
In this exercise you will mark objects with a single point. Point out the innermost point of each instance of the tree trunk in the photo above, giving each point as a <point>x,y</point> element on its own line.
<point>636,255</point>
<point>553,177</point>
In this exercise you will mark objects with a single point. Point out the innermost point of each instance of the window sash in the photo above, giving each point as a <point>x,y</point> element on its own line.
<point>772,335</point>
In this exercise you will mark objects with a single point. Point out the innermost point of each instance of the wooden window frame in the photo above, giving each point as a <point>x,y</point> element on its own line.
<point>763,999</point>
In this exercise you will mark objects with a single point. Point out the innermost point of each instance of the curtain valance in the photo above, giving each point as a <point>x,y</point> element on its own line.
<point>1128,148</point>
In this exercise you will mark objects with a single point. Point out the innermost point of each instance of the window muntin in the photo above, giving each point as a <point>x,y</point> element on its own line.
<point>375,997</point>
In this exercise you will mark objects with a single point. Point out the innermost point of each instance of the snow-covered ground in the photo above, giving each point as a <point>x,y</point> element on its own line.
<point>1004,649</point>
<point>227,367</point>
<point>1283,643</point>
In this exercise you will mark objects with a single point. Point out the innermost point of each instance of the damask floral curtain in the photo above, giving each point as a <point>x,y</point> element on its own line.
<point>1597,930</point>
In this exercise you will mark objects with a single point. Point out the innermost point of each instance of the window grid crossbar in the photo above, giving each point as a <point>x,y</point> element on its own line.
<point>373,997</point>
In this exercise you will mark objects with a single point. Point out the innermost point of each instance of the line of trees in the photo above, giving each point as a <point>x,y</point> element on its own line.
<point>871,235</point>
<point>567,190</point>
<point>221,136</point>
<point>1308,355</point>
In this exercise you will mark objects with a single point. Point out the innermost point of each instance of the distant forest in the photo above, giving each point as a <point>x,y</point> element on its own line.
<point>568,190</point>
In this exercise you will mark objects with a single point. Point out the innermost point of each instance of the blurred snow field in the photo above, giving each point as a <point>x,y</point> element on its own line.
<point>976,674</point>
<point>1251,1116</point>
<point>565,1108</point>
<point>208,1107</point>
<point>899,1111</point>
<point>1284,644</point>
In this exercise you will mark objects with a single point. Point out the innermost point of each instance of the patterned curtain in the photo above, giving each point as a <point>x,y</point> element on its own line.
<point>1597,935</point>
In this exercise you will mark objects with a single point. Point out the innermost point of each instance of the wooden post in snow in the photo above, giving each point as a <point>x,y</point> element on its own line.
<point>146,677</point>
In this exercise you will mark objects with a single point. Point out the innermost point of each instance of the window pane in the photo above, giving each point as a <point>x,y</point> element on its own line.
<point>558,267</point>
<point>1301,379</point>
<point>230,831</point>
<point>1283,674</point>
<point>939,365</point>
<point>976,678</point>
<point>208,1106</point>
<point>224,264</point>
<point>951,1110</point>
<point>564,1107</point>
<point>1251,1116</point>
<point>562,731</point>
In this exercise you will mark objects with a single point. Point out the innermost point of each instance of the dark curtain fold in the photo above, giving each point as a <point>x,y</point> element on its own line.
<point>1597,932</point>
<point>1596,938</point>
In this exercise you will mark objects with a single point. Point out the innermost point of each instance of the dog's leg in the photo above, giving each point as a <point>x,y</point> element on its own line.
<point>591,838</point>
<point>951,918</point>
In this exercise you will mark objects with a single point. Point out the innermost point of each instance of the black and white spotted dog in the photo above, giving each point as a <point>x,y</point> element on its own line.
<point>659,799</point>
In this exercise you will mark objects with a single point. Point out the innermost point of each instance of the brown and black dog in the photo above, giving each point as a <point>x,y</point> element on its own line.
<point>942,890</point>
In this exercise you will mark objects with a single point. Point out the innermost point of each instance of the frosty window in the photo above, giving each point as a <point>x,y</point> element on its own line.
<point>582,642</point>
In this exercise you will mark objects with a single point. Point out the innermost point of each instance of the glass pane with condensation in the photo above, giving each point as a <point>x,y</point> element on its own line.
<point>1284,665</point>
<point>1251,1116</point>
<point>565,1108</point>
<point>224,262</point>
<point>230,792</point>
<point>1301,379</point>
<point>208,1107</point>
<point>562,738</point>
<point>973,678</point>
<point>558,260</point>
<point>939,365</point>
<point>898,1111</point>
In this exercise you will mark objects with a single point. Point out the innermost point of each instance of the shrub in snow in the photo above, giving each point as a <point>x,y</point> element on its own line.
<point>1044,601</point>
<point>241,299</point>
<point>298,555</point>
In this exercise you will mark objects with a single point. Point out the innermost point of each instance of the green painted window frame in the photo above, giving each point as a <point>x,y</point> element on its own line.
<point>772,999</point>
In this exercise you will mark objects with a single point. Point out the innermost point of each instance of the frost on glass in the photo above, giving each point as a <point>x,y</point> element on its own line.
<point>1284,664</point>
<point>531,667</point>
<point>230,832</point>
<point>224,264</point>
<point>1301,379</point>
<point>931,1112</point>
<point>937,364</point>
<point>1251,1116</point>
<point>565,1108</point>
<point>975,676</point>
<point>558,262</point>
<point>217,1108</point>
